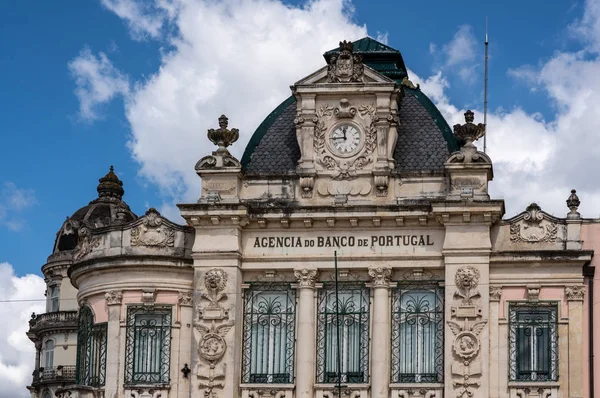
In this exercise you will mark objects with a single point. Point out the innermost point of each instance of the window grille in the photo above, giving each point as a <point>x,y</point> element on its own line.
<point>269,326</point>
<point>533,341</point>
<point>353,324</point>
<point>418,333</point>
<point>49,354</point>
<point>91,350</point>
<point>148,345</point>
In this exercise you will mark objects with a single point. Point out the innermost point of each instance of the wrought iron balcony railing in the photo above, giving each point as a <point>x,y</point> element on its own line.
<point>52,320</point>
<point>58,374</point>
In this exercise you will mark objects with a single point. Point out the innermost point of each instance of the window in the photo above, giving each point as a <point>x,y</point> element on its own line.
<point>91,350</point>
<point>533,341</point>
<point>418,333</point>
<point>47,394</point>
<point>343,342</point>
<point>53,303</point>
<point>49,354</point>
<point>148,352</point>
<point>268,345</point>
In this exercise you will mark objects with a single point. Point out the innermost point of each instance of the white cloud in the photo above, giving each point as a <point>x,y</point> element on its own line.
<point>232,57</point>
<point>460,54</point>
<point>145,18</point>
<point>19,296</point>
<point>382,37</point>
<point>97,82</point>
<point>13,201</point>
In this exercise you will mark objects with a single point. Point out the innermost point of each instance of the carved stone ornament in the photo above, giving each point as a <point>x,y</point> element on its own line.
<point>495,293</point>
<point>575,292</point>
<point>346,66</point>
<point>573,203</point>
<point>86,244</point>
<point>271,392</point>
<point>345,110</point>
<point>307,185</point>
<point>534,228</point>
<point>381,185</point>
<point>380,276</point>
<point>215,280</point>
<point>466,325</point>
<point>211,348</point>
<point>185,299</point>
<point>469,131</point>
<point>152,233</point>
<point>221,158</point>
<point>467,280</point>
<point>306,277</point>
<point>146,392</point>
<point>346,168</point>
<point>533,291</point>
<point>113,297</point>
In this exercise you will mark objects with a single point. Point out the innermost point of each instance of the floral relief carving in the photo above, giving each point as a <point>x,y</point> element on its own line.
<point>113,297</point>
<point>575,292</point>
<point>466,326</point>
<point>380,276</point>
<point>152,233</point>
<point>534,228</point>
<point>306,277</point>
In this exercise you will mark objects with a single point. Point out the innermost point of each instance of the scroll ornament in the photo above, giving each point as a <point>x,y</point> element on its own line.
<point>151,232</point>
<point>380,276</point>
<point>532,230</point>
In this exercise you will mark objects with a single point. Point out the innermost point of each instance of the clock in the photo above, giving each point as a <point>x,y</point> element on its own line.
<point>345,140</point>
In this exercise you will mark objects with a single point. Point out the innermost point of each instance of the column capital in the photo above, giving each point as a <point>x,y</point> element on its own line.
<point>495,292</point>
<point>113,297</point>
<point>380,276</point>
<point>575,292</point>
<point>306,277</point>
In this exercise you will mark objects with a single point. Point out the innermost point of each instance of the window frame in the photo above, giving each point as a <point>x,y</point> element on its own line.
<point>433,312</point>
<point>91,349</point>
<point>258,309</point>
<point>326,315</point>
<point>527,308</point>
<point>53,298</point>
<point>162,375</point>
<point>46,352</point>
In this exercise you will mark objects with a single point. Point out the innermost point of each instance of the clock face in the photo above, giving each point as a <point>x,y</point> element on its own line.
<point>345,140</point>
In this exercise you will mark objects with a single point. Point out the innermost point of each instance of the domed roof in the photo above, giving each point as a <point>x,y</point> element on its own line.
<point>425,139</point>
<point>108,209</point>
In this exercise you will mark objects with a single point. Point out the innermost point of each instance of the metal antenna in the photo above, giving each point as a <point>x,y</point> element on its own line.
<point>485,84</point>
<point>337,321</point>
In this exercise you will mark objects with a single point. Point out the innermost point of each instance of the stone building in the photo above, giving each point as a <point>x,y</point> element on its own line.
<point>436,294</point>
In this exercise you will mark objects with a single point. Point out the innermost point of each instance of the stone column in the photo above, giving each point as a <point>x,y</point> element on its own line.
<point>305,338</point>
<point>113,346</point>
<point>380,350</point>
<point>574,295</point>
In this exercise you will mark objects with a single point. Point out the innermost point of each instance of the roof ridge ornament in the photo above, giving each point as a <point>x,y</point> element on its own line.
<point>345,67</point>
<point>573,203</point>
<point>110,186</point>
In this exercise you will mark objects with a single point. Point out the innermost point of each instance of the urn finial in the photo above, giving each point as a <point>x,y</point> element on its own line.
<point>223,137</point>
<point>469,131</point>
<point>573,203</point>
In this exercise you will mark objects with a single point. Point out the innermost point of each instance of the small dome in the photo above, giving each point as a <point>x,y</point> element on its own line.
<point>108,209</point>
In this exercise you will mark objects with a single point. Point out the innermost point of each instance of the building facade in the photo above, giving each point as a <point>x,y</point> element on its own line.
<point>436,293</point>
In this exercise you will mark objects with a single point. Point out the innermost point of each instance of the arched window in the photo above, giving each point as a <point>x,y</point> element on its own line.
<point>91,350</point>
<point>47,394</point>
<point>49,354</point>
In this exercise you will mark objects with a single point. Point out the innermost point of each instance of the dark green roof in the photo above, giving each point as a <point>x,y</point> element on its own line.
<point>425,141</point>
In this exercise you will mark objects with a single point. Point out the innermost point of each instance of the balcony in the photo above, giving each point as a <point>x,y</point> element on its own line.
<point>59,374</point>
<point>60,320</point>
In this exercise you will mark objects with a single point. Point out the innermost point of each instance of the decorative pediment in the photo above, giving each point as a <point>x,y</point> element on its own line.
<point>320,76</point>
<point>534,226</point>
<point>152,230</point>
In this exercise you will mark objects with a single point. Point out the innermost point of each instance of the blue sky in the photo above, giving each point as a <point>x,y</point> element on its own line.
<point>53,154</point>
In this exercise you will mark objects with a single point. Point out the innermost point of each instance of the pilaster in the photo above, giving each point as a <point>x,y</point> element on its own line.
<point>495,293</point>
<point>574,295</point>
<point>114,368</point>
<point>305,341</point>
<point>380,349</point>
